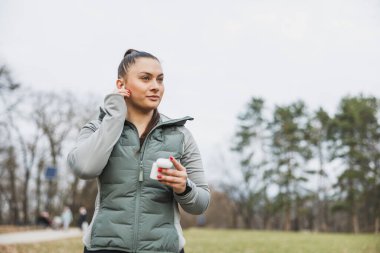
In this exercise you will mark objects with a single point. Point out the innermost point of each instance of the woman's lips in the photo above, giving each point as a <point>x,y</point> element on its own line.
<point>153,98</point>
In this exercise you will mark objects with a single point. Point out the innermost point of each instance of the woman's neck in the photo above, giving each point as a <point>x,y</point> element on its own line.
<point>139,119</point>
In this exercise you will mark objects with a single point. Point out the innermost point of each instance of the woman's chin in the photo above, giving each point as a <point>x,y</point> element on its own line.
<point>144,107</point>
<point>152,105</point>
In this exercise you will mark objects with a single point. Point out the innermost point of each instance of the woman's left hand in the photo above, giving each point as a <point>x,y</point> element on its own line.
<point>175,178</point>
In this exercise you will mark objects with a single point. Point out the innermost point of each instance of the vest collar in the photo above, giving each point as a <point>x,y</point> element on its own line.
<point>164,120</point>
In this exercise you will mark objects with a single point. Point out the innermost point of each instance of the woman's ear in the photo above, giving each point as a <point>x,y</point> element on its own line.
<point>120,83</point>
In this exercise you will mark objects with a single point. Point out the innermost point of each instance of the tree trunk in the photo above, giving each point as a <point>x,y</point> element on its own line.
<point>247,217</point>
<point>377,225</point>
<point>296,223</point>
<point>355,223</point>
<point>52,184</point>
<point>1,210</point>
<point>376,198</point>
<point>267,220</point>
<point>26,197</point>
<point>353,211</point>
<point>268,225</point>
<point>51,191</point>
<point>325,223</point>
<point>236,214</point>
<point>13,201</point>
<point>288,204</point>
<point>49,196</point>
<point>287,219</point>
<point>322,195</point>
<point>41,165</point>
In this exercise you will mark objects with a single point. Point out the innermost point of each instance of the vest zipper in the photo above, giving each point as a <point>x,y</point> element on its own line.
<point>141,175</point>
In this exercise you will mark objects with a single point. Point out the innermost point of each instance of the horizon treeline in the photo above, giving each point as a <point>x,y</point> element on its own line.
<point>307,170</point>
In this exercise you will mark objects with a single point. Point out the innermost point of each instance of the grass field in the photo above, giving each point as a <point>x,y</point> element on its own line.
<point>239,241</point>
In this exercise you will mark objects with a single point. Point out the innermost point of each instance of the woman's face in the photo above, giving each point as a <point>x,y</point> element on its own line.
<point>145,80</point>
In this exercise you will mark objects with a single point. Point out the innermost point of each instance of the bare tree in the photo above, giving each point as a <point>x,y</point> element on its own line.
<point>35,131</point>
<point>79,189</point>
<point>51,113</point>
<point>9,165</point>
<point>27,155</point>
<point>59,118</point>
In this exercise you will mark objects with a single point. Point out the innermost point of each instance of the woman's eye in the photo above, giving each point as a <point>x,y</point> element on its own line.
<point>145,78</point>
<point>160,80</point>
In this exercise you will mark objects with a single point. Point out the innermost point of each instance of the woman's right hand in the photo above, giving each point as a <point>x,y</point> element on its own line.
<point>126,93</point>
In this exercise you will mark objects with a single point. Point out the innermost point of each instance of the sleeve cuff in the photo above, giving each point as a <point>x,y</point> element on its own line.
<point>188,194</point>
<point>187,190</point>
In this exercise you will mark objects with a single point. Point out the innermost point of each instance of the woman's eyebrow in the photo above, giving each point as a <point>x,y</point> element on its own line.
<point>146,73</point>
<point>150,74</point>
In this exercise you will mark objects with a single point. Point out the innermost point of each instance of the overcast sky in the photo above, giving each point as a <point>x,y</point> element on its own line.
<point>215,54</point>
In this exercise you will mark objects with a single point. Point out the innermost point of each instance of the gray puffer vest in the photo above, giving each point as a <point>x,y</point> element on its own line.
<point>136,213</point>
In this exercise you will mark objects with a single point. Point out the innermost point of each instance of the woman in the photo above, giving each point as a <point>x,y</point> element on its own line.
<point>134,213</point>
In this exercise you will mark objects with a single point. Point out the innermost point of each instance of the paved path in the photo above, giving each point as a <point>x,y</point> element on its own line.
<point>38,236</point>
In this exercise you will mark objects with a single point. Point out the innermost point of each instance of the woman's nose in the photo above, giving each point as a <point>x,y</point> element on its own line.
<point>155,85</point>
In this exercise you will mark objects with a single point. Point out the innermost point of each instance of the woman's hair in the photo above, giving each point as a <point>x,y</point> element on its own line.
<point>130,58</point>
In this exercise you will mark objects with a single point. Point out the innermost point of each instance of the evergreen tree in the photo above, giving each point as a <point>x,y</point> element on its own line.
<point>355,131</point>
<point>290,152</point>
<point>318,136</point>
<point>250,146</point>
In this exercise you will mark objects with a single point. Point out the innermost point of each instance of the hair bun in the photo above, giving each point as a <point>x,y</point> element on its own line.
<point>129,59</point>
<point>130,51</point>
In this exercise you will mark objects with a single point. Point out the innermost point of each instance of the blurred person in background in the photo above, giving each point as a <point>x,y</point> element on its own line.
<point>43,219</point>
<point>67,217</point>
<point>82,220</point>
